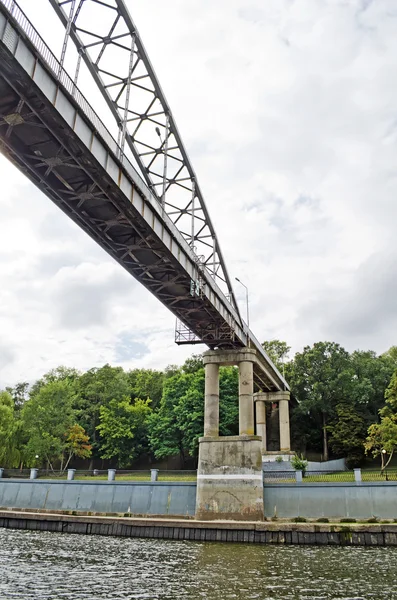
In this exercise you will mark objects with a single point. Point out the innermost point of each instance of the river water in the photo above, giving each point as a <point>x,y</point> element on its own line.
<point>52,566</point>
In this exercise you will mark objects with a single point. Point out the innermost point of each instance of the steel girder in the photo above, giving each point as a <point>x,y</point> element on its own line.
<point>108,42</point>
<point>39,143</point>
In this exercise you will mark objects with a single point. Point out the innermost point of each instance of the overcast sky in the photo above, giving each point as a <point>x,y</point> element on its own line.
<point>288,109</point>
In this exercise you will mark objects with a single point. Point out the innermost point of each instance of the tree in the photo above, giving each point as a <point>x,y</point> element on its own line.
<point>46,419</point>
<point>371,376</point>
<point>146,384</point>
<point>77,444</point>
<point>277,352</point>
<point>19,394</point>
<point>391,354</point>
<point>96,388</point>
<point>382,440</point>
<point>60,373</point>
<point>179,422</point>
<point>123,429</point>
<point>348,432</point>
<point>193,364</point>
<point>165,436</point>
<point>9,453</point>
<point>391,396</point>
<point>320,378</point>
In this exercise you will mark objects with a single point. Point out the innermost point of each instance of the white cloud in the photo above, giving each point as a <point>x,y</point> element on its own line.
<point>288,111</point>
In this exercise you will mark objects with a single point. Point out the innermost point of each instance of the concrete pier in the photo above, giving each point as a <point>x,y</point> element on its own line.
<point>260,408</point>
<point>229,479</point>
<point>211,400</point>
<point>229,476</point>
<point>246,398</point>
<point>282,399</point>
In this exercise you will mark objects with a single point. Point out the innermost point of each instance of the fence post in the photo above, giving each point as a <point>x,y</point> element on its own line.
<point>357,475</point>
<point>298,476</point>
<point>33,473</point>
<point>71,473</point>
<point>154,474</point>
<point>111,474</point>
<point>1,472</point>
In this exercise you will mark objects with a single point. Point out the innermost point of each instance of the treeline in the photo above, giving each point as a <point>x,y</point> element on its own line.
<point>347,401</point>
<point>108,413</point>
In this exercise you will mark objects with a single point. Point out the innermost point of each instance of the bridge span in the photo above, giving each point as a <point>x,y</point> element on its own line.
<point>139,199</point>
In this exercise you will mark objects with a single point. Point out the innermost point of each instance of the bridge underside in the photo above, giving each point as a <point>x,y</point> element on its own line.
<point>46,146</point>
<point>36,139</point>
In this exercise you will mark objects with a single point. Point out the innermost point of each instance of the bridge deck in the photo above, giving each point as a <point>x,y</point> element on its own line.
<point>50,132</point>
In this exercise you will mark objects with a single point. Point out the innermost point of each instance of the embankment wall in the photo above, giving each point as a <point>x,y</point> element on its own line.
<point>332,500</point>
<point>140,498</point>
<point>204,531</point>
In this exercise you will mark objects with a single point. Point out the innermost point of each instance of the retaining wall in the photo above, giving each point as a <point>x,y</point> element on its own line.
<point>204,531</point>
<point>332,500</point>
<point>285,500</point>
<point>141,498</point>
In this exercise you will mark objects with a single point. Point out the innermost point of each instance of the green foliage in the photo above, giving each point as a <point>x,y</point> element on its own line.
<point>391,396</point>
<point>146,384</point>
<point>299,463</point>
<point>277,352</point>
<point>279,459</point>
<point>348,431</point>
<point>382,439</point>
<point>126,414</point>
<point>123,429</point>
<point>46,419</point>
<point>96,388</point>
<point>77,444</point>
<point>9,453</point>
<point>320,378</point>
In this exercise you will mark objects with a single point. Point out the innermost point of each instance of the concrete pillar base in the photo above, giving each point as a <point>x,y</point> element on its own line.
<point>229,479</point>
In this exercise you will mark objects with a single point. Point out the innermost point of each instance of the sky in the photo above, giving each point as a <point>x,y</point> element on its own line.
<point>288,110</point>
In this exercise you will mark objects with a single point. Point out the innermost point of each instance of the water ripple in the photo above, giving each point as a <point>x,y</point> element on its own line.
<point>52,566</point>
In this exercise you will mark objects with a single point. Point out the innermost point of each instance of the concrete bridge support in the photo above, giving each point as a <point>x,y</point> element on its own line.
<point>229,479</point>
<point>282,398</point>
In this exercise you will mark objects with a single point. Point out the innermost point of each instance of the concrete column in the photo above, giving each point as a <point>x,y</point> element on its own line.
<point>357,475</point>
<point>111,474</point>
<point>298,476</point>
<point>285,442</point>
<point>260,407</point>
<point>1,472</point>
<point>71,473</point>
<point>211,400</point>
<point>154,474</point>
<point>246,398</point>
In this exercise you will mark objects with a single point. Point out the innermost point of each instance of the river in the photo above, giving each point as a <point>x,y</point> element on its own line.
<point>52,566</point>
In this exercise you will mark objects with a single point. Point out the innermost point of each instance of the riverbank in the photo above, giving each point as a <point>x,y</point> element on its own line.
<point>287,533</point>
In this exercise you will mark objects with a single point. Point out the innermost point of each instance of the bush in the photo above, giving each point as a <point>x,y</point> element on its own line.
<point>373,520</point>
<point>322,520</point>
<point>299,520</point>
<point>299,463</point>
<point>279,459</point>
<point>347,520</point>
<point>354,460</point>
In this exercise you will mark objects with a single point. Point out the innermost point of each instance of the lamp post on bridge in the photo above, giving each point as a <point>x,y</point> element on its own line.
<point>247,304</point>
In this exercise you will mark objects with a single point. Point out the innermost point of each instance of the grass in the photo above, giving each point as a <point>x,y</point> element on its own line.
<point>127,477</point>
<point>341,477</point>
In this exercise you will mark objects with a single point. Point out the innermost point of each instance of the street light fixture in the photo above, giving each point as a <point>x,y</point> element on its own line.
<point>247,303</point>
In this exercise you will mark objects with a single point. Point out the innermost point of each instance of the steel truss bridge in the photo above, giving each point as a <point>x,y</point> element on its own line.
<point>128,183</point>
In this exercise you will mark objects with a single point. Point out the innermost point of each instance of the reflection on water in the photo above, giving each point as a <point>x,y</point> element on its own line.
<point>49,566</point>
